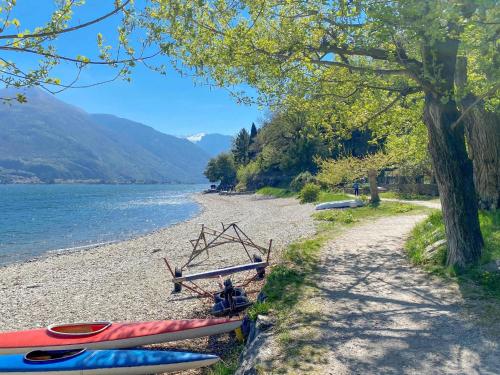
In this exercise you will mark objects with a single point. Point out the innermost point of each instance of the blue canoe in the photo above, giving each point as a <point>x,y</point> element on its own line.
<point>101,362</point>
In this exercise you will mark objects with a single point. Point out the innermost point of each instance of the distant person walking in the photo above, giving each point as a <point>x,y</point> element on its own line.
<point>356,188</point>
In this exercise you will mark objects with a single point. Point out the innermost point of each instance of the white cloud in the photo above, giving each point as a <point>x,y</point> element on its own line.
<point>196,137</point>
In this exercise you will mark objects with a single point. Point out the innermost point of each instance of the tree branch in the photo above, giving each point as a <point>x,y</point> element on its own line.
<point>476,102</point>
<point>361,68</point>
<point>69,29</point>
<point>383,110</point>
<point>90,62</point>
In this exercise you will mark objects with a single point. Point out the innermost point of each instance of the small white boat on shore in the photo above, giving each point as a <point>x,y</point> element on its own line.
<point>340,204</point>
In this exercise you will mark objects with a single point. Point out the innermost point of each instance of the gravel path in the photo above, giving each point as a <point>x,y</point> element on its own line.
<point>430,203</point>
<point>128,280</point>
<point>378,314</point>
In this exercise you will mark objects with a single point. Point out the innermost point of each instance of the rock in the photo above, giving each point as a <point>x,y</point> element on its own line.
<point>258,338</point>
<point>432,248</point>
<point>264,322</point>
<point>492,266</point>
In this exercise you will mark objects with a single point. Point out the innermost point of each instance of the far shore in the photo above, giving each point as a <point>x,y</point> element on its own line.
<point>128,280</point>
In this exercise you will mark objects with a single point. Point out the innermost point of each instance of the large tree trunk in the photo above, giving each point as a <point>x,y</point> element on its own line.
<point>453,168</point>
<point>372,179</point>
<point>455,182</point>
<point>482,130</point>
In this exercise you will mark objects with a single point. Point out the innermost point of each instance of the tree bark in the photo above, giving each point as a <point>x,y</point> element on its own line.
<point>454,178</point>
<point>452,167</point>
<point>482,130</point>
<point>372,179</point>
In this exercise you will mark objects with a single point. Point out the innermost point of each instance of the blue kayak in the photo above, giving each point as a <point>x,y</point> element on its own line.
<point>81,361</point>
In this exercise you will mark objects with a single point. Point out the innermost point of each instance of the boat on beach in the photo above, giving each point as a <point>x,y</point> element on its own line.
<point>102,362</point>
<point>107,335</point>
<point>340,204</point>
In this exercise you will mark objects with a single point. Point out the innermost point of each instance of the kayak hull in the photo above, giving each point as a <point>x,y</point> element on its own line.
<point>339,204</point>
<point>117,336</point>
<point>109,362</point>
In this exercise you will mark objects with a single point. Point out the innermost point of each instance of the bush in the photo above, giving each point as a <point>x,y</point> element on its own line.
<point>301,180</point>
<point>247,176</point>
<point>309,193</point>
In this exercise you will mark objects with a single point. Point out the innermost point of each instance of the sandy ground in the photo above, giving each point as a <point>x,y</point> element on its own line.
<point>129,280</point>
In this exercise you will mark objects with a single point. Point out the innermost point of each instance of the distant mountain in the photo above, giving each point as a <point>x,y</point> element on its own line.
<point>47,140</point>
<point>212,144</point>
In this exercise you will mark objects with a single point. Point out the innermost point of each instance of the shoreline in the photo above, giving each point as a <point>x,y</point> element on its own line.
<point>76,249</point>
<point>127,280</point>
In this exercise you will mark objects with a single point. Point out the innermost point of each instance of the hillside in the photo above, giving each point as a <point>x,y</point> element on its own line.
<point>48,140</point>
<point>213,144</point>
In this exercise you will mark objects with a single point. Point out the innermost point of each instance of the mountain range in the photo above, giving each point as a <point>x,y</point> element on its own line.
<point>47,140</point>
<point>212,144</point>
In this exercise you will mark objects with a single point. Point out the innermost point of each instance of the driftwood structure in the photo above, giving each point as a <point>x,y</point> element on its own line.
<point>207,241</point>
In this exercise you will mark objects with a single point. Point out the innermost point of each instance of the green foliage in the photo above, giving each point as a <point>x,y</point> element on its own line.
<point>309,193</point>
<point>337,216</point>
<point>286,146</point>
<point>345,64</point>
<point>221,168</point>
<point>229,365</point>
<point>334,173</point>
<point>276,192</point>
<point>241,148</point>
<point>409,151</point>
<point>40,42</point>
<point>432,229</point>
<point>300,180</point>
<point>247,175</point>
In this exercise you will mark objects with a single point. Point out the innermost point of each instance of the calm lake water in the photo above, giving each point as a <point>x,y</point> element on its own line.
<point>37,218</point>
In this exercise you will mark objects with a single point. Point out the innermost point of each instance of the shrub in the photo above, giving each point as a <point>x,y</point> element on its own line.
<point>301,180</point>
<point>309,193</point>
<point>247,175</point>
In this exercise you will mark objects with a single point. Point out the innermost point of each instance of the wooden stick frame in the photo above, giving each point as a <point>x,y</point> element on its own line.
<point>211,238</point>
<point>217,238</point>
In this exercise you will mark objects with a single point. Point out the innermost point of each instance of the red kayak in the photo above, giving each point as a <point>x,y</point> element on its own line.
<point>105,335</point>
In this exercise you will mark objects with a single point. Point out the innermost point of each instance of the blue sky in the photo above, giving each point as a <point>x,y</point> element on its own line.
<point>171,103</point>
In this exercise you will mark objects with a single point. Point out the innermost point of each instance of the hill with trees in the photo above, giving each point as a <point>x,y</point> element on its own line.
<point>47,140</point>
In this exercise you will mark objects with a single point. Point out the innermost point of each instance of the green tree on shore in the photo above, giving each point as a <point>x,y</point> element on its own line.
<point>370,56</point>
<point>241,147</point>
<point>221,169</point>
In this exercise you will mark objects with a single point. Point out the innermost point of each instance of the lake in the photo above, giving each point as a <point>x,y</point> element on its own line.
<point>37,218</point>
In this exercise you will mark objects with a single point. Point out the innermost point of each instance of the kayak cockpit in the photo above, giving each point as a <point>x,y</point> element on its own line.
<point>52,355</point>
<point>78,329</point>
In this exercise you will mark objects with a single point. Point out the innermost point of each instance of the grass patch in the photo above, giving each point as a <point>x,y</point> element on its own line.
<point>432,230</point>
<point>328,196</point>
<point>284,284</point>
<point>276,192</point>
<point>406,196</point>
<point>353,215</point>
<point>324,196</point>
<point>229,365</point>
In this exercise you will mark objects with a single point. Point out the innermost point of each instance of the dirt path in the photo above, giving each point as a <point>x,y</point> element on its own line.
<point>380,315</point>
<point>430,204</point>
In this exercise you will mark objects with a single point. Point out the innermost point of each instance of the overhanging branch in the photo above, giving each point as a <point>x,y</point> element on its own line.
<point>69,29</point>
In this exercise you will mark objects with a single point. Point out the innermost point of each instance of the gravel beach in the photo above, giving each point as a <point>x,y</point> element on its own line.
<point>128,280</point>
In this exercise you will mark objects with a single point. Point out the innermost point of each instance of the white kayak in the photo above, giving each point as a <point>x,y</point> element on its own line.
<point>340,204</point>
